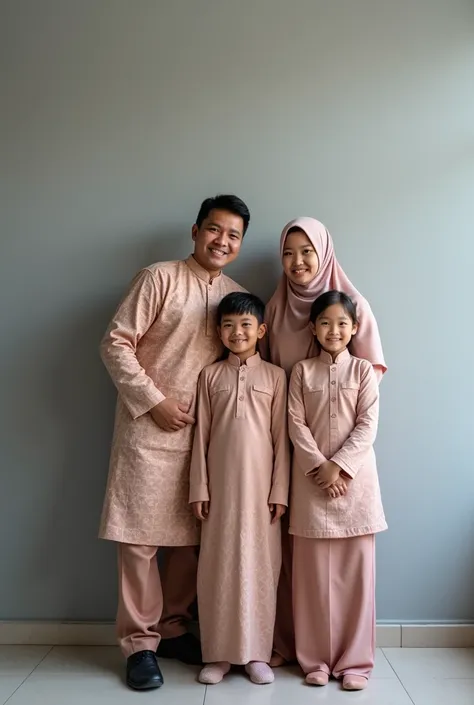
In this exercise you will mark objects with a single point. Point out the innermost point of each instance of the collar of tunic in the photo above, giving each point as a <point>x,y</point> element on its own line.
<point>199,271</point>
<point>327,357</point>
<point>251,362</point>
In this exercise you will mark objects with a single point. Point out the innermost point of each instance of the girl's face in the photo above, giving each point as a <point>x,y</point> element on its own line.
<point>300,261</point>
<point>334,329</point>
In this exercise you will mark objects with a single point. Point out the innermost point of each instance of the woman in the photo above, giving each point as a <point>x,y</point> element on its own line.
<point>310,268</point>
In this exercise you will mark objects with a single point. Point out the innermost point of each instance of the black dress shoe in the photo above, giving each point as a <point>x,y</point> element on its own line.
<point>185,648</point>
<point>143,672</point>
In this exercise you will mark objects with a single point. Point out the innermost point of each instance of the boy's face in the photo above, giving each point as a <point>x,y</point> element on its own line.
<point>217,242</point>
<point>334,329</point>
<point>240,334</point>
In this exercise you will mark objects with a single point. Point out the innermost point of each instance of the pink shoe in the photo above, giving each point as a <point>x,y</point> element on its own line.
<point>317,678</point>
<point>354,683</point>
<point>213,673</point>
<point>259,672</point>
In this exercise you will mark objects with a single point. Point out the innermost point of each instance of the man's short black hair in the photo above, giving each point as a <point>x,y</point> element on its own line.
<point>224,202</point>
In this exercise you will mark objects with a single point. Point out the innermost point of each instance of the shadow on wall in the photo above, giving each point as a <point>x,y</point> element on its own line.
<point>79,399</point>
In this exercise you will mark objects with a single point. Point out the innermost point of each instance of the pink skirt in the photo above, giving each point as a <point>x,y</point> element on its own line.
<point>334,604</point>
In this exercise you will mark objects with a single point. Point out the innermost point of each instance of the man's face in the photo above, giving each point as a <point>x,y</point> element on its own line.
<point>217,242</point>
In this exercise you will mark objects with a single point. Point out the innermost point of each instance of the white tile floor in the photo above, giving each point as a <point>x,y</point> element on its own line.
<point>61,675</point>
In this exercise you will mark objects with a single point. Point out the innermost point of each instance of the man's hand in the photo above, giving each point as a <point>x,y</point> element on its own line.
<point>277,511</point>
<point>200,510</point>
<point>327,474</point>
<point>171,415</point>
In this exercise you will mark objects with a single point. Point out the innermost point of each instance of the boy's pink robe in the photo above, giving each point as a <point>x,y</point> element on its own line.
<point>240,463</point>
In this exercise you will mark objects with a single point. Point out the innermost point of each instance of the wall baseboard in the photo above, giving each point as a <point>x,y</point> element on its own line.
<point>437,635</point>
<point>103,634</point>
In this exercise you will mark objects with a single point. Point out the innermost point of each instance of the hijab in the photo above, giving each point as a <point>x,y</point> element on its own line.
<point>287,313</point>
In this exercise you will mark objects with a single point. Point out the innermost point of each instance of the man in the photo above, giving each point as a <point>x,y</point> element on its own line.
<point>162,335</point>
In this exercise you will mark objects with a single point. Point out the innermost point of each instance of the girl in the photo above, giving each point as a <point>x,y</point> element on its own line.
<point>335,507</point>
<point>239,489</point>
<point>310,268</point>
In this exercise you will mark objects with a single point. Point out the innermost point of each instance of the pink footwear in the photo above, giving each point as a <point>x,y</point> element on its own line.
<point>317,678</point>
<point>259,672</point>
<point>354,682</point>
<point>213,673</point>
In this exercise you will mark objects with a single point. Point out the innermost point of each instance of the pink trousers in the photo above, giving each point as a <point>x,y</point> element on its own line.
<point>334,604</point>
<point>152,606</point>
<point>284,635</point>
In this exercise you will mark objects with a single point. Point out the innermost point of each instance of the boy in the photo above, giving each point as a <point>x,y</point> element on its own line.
<point>239,490</point>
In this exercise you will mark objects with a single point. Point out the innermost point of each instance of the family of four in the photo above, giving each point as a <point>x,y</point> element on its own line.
<point>208,432</point>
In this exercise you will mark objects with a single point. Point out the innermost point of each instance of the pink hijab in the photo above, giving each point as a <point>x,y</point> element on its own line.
<point>287,314</point>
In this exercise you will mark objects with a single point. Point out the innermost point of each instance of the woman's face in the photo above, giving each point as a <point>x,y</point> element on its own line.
<point>300,261</point>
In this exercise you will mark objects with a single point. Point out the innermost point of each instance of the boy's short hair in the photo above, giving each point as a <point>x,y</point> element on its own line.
<point>224,202</point>
<point>238,304</point>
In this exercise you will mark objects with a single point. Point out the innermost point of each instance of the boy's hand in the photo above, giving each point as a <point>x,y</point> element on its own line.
<point>171,415</point>
<point>200,510</point>
<point>277,511</point>
<point>327,474</point>
<point>338,489</point>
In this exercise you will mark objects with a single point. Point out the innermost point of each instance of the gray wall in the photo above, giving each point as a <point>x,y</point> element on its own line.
<point>118,118</point>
